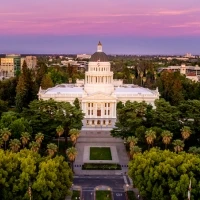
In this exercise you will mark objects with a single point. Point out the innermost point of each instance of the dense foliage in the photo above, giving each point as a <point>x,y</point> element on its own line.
<point>26,174</point>
<point>134,119</point>
<point>164,175</point>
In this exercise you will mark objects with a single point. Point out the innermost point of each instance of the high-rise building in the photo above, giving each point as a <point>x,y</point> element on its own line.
<point>10,65</point>
<point>31,61</point>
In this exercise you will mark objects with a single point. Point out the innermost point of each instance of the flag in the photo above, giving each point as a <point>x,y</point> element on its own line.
<point>189,190</point>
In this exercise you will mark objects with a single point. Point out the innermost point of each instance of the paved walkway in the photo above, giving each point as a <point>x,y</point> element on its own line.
<point>100,138</point>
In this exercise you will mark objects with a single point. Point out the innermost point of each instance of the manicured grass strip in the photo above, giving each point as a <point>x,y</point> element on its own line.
<point>100,153</point>
<point>75,194</point>
<point>101,166</point>
<point>103,195</point>
<point>131,195</point>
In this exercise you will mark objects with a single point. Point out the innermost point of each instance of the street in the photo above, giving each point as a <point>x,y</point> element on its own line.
<point>88,183</point>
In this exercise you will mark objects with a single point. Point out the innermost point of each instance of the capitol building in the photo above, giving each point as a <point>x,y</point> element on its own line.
<point>99,93</point>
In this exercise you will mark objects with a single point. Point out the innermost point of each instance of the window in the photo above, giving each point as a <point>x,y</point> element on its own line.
<point>105,104</point>
<point>98,113</point>
<point>105,112</point>
<point>88,104</point>
<point>92,112</point>
<point>88,112</point>
<point>108,104</point>
<point>93,122</point>
<point>104,122</point>
<point>92,104</point>
<point>87,122</point>
<point>109,122</point>
<point>108,112</point>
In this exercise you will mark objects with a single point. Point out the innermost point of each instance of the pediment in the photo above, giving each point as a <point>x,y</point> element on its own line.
<point>99,96</point>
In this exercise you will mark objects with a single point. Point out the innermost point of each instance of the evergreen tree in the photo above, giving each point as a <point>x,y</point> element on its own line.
<point>26,89</point>
<point>46,82</point>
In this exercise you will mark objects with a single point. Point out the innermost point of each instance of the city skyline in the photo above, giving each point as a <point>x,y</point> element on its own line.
<point>124,27</point>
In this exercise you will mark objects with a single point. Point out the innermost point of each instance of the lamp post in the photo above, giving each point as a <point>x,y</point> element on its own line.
<point>30,191</point>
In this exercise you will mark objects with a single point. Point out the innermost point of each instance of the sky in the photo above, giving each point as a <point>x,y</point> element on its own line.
<point>122,26</point>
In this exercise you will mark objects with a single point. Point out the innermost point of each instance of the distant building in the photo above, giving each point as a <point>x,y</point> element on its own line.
<point>83,56</point>
<point>99,93</point>
<point>191,72</point>
<point>10,65</point>
<point>31,61</point>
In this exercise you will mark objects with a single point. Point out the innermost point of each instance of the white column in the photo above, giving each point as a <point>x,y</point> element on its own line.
<point>107,110</point>
<point>96,110</point>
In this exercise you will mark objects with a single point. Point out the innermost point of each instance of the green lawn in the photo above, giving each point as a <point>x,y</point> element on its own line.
<point>131,195</point>
<point>75,194</point>
<point>103,195</point>
<point>100,153</point>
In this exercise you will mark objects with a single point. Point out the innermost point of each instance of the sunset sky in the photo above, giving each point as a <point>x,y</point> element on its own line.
<point>123,26</point>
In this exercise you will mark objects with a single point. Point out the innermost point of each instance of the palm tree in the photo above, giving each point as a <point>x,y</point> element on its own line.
<point>71,154</point>
<point>15,145</point>
<point>135,150</point>
<point>5,133</point>
<point>166,137</point>
<point>185,132</point>
<point>34,146</point>
<point>25,137</point>
<point>59,131</point>
<point>74,134</point>
<point>150,136</point>
<point>52,149</point>
<point>39,137</point>
<point>178,145</point>
<point>132,140</point>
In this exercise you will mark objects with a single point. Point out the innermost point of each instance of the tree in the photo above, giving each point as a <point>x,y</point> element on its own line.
<point>1,142</point>
<point>178,145</point>
<point>166,117</point>
<point>52,149</point>
<point>46,116</point>
<point>59,131</point>
<point>15,145</point>
<point>131,116</point>
<point>185,132</point>
<point>48,178</point>
<point>46,82</point>
<point>71,154</point>
<point>39,137</point>
<point>34,146</point>
<point>134,150</point>
<point>161,175</point>
<point>74,134</point>
<point>25,137</point>
<point>5,134</point>
<point>166,137</point>
<point>77,103</point>
<point>132,140</point>
<point>26,90</point>
<point>150,136</point>
<point>3,106</point>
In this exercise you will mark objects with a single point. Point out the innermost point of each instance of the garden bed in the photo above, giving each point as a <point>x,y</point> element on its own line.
<point>76,194</point>
<point>101,166</point>
<point>130,195</point>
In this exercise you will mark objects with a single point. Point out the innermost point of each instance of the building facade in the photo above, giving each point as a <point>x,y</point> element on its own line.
<point>99,93</point>
<point>31,62</point>
<point>10,65</point>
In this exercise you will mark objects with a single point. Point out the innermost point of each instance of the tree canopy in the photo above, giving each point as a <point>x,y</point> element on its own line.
<point>163,175</point>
